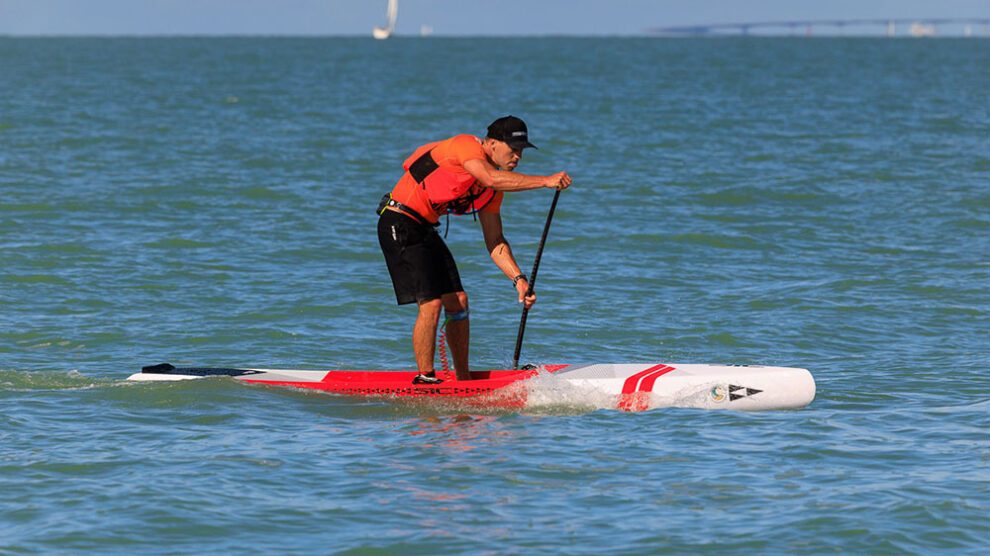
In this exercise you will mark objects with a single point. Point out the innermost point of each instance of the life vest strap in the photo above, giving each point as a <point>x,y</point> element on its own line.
<point>388,201</point>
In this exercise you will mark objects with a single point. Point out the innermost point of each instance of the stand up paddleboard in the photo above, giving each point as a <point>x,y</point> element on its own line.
<point>627,387</point>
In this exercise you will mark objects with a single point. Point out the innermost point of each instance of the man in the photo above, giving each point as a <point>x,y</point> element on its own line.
<point>460,175</point>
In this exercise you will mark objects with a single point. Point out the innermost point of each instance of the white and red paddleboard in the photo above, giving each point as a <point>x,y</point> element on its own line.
<point>627,387</point>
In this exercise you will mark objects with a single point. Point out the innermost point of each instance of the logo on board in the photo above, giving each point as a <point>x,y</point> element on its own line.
<point>719,393</point>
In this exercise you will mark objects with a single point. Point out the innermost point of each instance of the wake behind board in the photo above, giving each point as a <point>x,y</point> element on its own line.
<point>628,387</point>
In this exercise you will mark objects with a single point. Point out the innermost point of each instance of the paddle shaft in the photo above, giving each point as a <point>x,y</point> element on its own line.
<point>532,280</point>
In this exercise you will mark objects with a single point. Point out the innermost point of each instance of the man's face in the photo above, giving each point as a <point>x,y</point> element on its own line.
<point>504,156</point>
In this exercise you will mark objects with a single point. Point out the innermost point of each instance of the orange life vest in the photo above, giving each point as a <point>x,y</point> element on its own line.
<point>457,193</point>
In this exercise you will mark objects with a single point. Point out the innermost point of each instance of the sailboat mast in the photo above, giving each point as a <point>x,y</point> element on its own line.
<point>393,14</point>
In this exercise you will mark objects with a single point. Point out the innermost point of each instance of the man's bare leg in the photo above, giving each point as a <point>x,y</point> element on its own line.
<point>425,334</point>
<point>458,333</point>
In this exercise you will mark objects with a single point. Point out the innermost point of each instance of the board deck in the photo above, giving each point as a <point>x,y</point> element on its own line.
<point>627,387</point>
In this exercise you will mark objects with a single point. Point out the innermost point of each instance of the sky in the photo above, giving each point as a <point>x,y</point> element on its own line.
<point>446,17</point>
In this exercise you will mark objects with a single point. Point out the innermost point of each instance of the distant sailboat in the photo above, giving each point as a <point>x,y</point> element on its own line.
<point>386,32</point>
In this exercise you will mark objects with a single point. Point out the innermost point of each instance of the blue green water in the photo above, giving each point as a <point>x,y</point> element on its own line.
<point>815,203</point>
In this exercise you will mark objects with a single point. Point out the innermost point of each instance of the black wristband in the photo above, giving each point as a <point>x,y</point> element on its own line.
<point>518,278</point>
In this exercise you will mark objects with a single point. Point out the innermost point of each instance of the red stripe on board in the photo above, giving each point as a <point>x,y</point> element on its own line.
<point>648,382</point>
<point>631,397</point>
<point>640,401</point>
<point>631,383</point>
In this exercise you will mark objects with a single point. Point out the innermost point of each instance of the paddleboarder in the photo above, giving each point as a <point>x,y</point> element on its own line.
<point>460,175</point>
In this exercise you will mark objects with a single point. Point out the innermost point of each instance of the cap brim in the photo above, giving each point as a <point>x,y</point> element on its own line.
<point>520,145</point>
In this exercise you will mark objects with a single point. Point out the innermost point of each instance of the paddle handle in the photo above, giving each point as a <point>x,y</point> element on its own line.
<point>532,280</point>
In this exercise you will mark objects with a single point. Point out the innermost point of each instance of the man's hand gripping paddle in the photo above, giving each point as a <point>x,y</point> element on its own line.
<point>532,280</point>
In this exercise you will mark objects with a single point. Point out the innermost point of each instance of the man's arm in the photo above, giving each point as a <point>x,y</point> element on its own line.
<point>498,248</point>
<point>500,180</point>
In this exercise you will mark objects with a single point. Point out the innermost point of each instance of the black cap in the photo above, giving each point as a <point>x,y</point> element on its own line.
<point>512,131</point>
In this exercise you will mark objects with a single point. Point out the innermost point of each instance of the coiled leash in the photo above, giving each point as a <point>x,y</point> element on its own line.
<point>444,362</point>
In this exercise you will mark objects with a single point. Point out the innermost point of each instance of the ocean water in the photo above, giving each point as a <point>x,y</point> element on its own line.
<point>820,203</point>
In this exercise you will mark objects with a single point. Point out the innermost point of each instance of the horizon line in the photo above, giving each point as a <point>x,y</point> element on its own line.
<point>643,35</point>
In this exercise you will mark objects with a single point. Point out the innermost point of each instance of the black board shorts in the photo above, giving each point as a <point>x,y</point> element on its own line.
<point>418,260</point>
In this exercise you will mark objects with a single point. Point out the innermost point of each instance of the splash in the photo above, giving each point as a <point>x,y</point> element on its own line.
<point>550,394</point>
<point>543,394</point>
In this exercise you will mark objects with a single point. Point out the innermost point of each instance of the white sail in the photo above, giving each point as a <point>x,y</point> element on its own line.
<point>392,14</point>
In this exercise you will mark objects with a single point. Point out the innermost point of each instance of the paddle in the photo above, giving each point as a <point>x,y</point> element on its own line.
<point>532,280</point>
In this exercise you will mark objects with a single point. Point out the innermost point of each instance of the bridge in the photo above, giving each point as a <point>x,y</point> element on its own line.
<point>923,27</point>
